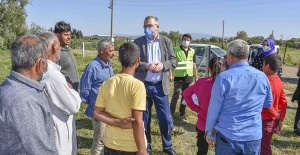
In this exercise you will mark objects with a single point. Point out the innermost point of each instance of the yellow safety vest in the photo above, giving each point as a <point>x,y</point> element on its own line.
<point>185,64</point>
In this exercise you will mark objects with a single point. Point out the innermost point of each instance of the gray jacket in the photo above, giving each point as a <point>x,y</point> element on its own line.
<point>168,59</point>
<point>26,124</point>
<point>68,65</point>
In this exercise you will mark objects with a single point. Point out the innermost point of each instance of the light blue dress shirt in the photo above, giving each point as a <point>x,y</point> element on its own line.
<point>237,98</point>
<point>94,75</point>
<point>154,55</point>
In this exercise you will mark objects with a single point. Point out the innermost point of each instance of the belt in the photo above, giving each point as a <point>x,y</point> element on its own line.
<point>153,83</point>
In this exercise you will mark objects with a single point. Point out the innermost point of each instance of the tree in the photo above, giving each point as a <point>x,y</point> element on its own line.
<point>175,36</point>
<point>164,33</point>
<point>241,35</point>
<point>256,40</point>
<point>12,21</point>
<point>34,28</point>
<point>214,40</point>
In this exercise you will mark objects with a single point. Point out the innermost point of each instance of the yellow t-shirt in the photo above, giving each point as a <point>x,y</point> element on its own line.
<point>119,95</point>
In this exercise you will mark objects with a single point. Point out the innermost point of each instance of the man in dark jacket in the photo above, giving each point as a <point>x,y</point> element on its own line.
<point>67,60</point>
<point>157,58</point>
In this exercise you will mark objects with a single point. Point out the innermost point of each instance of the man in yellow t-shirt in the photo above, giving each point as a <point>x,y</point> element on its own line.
<point>120,104</point>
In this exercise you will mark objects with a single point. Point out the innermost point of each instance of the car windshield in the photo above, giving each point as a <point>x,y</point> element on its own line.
<point>219,51</point>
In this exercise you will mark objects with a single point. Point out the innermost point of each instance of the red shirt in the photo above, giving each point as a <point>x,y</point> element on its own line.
<point>202,89</point>
<point>279,100</point>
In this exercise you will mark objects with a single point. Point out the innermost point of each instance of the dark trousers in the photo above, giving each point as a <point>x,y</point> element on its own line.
<point>297,117</point>
<point>178,87</point>
<point>155,94</point>
<point>201,143</point>
<point>109,151</point>
<point>268,127</point>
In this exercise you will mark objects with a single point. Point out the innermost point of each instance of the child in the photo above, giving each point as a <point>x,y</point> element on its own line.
<point>120,104</point>
<point>202,89</point>
<point>272,117</point>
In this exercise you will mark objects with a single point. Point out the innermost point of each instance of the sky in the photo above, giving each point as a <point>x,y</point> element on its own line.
<point>256,17</point>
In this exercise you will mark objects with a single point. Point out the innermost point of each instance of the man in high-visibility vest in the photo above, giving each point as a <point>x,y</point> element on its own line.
<point>183,73</point>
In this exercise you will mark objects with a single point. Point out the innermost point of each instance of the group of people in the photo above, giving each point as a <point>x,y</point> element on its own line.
<point>238,106</point>
<point>39,98</point>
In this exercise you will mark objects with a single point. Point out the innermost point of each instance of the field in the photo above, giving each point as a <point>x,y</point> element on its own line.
<point>184,144</point>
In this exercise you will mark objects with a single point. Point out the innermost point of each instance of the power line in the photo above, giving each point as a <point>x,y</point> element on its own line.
<point>142,7</point>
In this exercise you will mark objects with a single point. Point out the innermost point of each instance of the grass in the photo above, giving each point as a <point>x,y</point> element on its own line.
<point>184,144</point>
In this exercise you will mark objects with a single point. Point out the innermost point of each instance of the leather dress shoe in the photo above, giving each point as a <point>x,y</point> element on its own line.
<point>170,152</point>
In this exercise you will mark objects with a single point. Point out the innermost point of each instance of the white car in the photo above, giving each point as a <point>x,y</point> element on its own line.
<point>200,49</point>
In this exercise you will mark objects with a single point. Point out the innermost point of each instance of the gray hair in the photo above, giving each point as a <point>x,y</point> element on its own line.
<point>128,54</point>
<point>49,38</point>
<point>152,17</point>
<point>25,50</point>
<point>102,44</point>
<point>239,49</point>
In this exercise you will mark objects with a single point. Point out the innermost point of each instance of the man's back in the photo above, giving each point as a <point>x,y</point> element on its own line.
<point>239,94</point>
<point>25,117</point>
<point>119,95</point>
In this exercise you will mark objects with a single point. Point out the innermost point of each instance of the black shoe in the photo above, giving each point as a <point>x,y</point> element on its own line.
<point>170,152</point>
<point>297,132</point>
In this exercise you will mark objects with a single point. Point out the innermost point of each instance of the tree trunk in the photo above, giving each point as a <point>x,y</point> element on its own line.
<point>284,54</point>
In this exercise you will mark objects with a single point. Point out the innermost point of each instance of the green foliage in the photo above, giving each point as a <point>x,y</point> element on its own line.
<point>12,21</point>
<point>256,40</point>
<point>175,36</point>
<point>241,35</point>
<point>34,28</point>
<point>76,34</point>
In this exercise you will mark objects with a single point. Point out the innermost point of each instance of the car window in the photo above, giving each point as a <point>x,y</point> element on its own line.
<point>199,51</point>
<point>219,52</point>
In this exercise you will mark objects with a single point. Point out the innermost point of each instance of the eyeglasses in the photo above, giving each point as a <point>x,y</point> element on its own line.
<point>149,25</point>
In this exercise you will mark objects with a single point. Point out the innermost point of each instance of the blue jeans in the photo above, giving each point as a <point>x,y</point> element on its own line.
<point>161,102</point>
<point>226,146</point>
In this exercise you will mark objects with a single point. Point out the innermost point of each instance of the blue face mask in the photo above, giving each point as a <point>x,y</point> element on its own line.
<point>45,74</point>
<point>149,32</point>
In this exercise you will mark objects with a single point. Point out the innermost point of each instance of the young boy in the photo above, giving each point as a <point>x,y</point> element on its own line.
<point>120,104</point>
<point>273,117</point>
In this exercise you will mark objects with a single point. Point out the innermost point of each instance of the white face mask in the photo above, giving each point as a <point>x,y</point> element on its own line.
<point>266,48</point>
<point>185,43</point>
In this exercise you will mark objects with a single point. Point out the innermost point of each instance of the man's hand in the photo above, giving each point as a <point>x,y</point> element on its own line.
<point>159,67</point>
<point>211,142</point>
<point>125,123</point>
<point>151,67</point>
<point>278,128</point>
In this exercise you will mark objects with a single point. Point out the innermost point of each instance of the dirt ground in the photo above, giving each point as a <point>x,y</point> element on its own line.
<point>290,78</point>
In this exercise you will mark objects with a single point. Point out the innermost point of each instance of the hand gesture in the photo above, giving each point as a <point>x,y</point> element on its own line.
<point>125,123</point>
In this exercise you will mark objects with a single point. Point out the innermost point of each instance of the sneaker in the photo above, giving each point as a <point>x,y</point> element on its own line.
<point>183,118</point>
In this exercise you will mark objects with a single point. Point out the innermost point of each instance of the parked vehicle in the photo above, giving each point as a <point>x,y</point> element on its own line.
<point>255,49</point>
<point>201,59</point>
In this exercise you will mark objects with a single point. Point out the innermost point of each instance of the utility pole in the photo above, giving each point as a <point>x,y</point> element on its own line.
<point>112,20</point>
<point>223,35</point>
<point>272,34</point>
